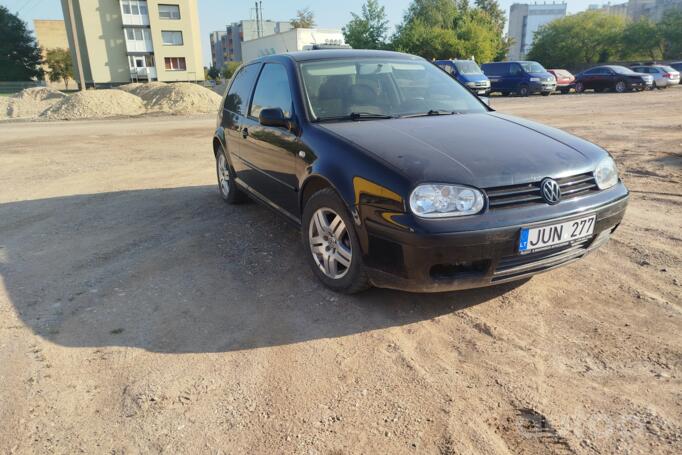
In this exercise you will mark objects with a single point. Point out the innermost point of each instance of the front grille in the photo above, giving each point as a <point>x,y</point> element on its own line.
<point>526,264</point>
<point>529,193</point>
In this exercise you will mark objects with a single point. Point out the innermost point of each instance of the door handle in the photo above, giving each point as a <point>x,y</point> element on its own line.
<point>245,132</point>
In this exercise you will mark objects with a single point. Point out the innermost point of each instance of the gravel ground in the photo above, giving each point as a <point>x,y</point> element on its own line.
<point>138,313</point>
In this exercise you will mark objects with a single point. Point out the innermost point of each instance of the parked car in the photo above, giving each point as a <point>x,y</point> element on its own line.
<point>468,73</point>
<point>664,76</point>
<point>612,77</point>
<point>523,78</point>
<point>564,80</point>
<point>677,66</point>
<point>390,169</point>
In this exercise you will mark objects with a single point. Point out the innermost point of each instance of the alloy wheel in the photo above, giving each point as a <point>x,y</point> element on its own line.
<point>223,175</point>
<point>579,88</point>
<point>330,243</point>
<point>620,86</point>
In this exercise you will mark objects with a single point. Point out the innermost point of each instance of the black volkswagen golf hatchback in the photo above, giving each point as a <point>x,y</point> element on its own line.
<point>399,177</point>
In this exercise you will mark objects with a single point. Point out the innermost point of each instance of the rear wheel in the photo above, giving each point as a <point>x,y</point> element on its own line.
<point>523,90</point>
<point>226,186</point>
<point>621,86</point>
<point>331,245</point>
<point>565,90</point>
<point>579,87</point>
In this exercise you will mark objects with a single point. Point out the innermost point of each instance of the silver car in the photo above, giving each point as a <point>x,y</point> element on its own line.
<point>664,76</point>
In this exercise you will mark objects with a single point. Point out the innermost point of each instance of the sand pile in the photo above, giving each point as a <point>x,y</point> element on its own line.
<point>142,89</point>
<point>130,88</point>
<point>30,102</point>
<point>180,98</point>
<point>96,104</point>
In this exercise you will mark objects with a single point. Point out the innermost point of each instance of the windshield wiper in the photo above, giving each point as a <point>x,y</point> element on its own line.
<point>355,116</point>
<point>429,113</point>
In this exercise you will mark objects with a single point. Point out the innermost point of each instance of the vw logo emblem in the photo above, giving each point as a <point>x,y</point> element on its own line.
<point>551,191</point>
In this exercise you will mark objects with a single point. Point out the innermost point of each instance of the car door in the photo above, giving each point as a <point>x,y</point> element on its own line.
<point>607,79</point>
<point>515,77</point>
<point>589,78</point>
<point>269,153</point>
<point>234,112</point>
<point>494,74</point>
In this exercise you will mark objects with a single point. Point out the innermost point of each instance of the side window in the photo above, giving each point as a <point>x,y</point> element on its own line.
<point>237,98</point>
<point>272,90</point>
<point>515,69</point>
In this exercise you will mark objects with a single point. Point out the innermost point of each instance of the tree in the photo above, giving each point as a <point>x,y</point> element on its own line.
<point>305,18</point>
<point>20,57</point>
<point>229,68</point>
<point>448,29</point>
<point>642,38</point>
<point>60,67</point>
<point>577,40</point>
<point>213,73</point>
<point>369,29</point>
<point>670,28</point>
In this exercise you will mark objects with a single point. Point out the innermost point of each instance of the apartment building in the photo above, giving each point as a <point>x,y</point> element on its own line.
<point>51,34</point>
<point>218,42</point>
<point>136,40</point>
<point>246,30</point>
<point>525,19</point>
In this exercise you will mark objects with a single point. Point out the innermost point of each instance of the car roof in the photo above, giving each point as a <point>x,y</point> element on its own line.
<point>335,54</point>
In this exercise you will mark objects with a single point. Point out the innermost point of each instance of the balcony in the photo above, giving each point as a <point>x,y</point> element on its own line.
<point>148,73</point>
<point>134,12</point>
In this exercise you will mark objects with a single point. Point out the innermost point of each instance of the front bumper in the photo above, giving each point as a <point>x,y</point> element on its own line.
<point>542,87</point>
<point>448,261</point>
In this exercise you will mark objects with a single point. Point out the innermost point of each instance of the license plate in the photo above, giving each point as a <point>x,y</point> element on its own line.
<point>555,235</point>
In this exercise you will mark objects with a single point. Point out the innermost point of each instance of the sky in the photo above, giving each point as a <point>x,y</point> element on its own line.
<point>216,14</point>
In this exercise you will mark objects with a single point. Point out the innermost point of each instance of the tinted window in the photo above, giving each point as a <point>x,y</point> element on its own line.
<point>467,67</point>
<point>499,69</point>
<point>622,70</point>
<point>238,96</point>
<point>515,69</point>
<point>272,90</point>
<point>533,67</point>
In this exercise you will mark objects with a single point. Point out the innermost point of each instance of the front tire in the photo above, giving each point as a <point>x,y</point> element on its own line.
<point>226,186</point>
<point>621,87</point>
<point>579,87</point>
<point>523,90</point>
<point>331,245</point>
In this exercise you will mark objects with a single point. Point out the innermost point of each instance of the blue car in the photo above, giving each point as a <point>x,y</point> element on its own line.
<point>468,73</point>
<point>522,78</point>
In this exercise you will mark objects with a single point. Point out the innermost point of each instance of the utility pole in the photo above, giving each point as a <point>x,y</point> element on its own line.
<point>74,31</point>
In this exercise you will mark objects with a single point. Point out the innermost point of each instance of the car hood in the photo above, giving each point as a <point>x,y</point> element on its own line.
<point>473,77</point>
<point>541,75</point>
<point>481,150</point>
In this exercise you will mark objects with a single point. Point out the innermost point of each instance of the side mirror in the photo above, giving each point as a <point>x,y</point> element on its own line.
<point>485,99</point>
<point>273,117</point>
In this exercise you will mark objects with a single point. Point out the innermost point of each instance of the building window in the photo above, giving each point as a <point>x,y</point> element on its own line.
<point>169,12</point>
<point>126,8</point>
<point>138,34</point>
<point>175,63</point>
<point>172,38</point>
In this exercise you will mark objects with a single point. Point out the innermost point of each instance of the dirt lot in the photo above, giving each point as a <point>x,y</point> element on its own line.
<point>138,313</point>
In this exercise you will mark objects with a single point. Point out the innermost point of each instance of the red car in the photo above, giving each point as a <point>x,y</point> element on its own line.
<point>564,80</point>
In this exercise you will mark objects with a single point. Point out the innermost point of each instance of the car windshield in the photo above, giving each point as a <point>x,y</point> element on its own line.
<point>532,67</point>
<point>382,88</point>
<point>622,70</point>
<point>468,67</point>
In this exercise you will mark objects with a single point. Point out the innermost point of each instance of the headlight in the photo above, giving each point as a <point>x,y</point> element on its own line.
<point>471,84</point>
<point>606,174</point>
<point>438,201</point>
<point>535,79</point>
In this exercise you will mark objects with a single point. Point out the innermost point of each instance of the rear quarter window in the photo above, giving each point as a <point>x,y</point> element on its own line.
<point>237,98</point>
